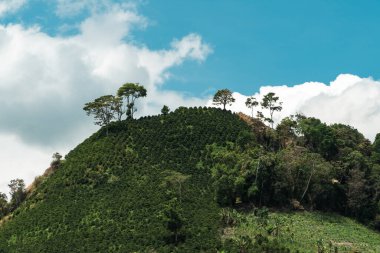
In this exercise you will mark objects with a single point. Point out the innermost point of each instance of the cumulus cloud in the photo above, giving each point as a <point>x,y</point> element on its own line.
<point>18,159</point>
<point>45,81</point>
<point>10,6</point>
<point>348,99</point>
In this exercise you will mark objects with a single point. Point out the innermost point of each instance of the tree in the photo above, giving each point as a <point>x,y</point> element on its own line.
<point>287,131</point>
<point>234,173</point>
<point>251,103</point>
<point>130,92</point>
<point>317,136</point>
<point>356,192</point>
<point>103,109</point>
<point>174,222</point>
<point>56,160</point>
<point>376,150</point>
<point>165,110</point>
<point>271,103</point>
<point>223,97</point>
<point>17,192</point>
<point>175,179</point>
<point>118,107</point>
<point>3,205</point>
<point>299,174</point>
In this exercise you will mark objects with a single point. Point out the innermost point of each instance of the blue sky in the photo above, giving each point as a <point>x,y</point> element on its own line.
<point>254,42</point>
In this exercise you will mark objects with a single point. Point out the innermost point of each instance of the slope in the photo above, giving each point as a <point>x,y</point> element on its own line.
<point>309,231</point>
<point>136,188</point>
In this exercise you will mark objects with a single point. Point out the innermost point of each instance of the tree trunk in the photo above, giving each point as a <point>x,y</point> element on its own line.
<point>257,171</point>
<point>308,183</point>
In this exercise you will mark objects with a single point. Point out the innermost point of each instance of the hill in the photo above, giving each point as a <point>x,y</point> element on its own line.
<point>120,192</point>
<point>178,183</point>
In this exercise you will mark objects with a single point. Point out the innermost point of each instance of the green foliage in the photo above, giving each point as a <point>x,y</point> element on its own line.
<point>17,193</point>
<point>102,108</point>
<point>56,160</point>
<point>130,92</point>
<point>271,103</point>
<point>173,182</point>
<point>174,222</point>
<point>165,110</point>
<point>264,235</point>
<point>376,150</point>
<point>223,97</point>
<point>251,103</point>
<point>133,190</point>
<point>305,232</point>
<point>300,175</point>
<point>3,205</point>
<point>304,163</point>
<point>234,173</point>
<point>317,136</point>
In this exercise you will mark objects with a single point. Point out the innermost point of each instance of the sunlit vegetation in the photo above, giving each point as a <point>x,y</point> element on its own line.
<point>136,189</point>
<point>301,231</point>
<point>202,180</point>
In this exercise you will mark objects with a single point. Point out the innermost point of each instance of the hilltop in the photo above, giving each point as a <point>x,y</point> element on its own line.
<point>173,183</point>
<point>112,191</point>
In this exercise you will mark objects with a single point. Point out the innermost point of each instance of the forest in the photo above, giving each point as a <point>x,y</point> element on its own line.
<point>183,180</point>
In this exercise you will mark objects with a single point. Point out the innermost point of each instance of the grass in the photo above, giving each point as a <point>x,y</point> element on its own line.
<point>304,231</point>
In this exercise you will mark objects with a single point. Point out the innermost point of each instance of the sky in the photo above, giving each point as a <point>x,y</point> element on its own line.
<point>320,57</point>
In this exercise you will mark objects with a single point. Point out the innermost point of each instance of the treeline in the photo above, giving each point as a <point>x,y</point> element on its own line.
<point>301,164</point>
<point>109,107</point>
<point>17,195</point>
<point>18,192</point>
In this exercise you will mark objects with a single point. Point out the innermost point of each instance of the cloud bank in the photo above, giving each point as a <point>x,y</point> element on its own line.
<point>10,6</point>
<point>45,81</point>
<point>348,99</point>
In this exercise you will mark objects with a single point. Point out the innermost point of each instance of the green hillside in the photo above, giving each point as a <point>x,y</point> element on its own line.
<point>115,193</point>
<point>308,231</point>
<point>199,180</point>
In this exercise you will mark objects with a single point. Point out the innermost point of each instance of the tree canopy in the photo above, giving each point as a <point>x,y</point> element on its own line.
<point>251,103</point>
<point>129,92</point>
<point>223,97</point>
<point>271,103</point>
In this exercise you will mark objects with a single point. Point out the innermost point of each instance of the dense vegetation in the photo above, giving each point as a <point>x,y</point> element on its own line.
<point>136,189</point>
<point>304,163</point>
<point>308,232</point>
<point>172,182</point>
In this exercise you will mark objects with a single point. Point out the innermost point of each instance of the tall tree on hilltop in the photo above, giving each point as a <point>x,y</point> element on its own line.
<point>251,103</point>
<point>271,103</point>
<point>165,110</point>
<point>130,92</point>
<point>103,109</point>
<point>223,97</point>
<point>56,160</point>
<point>118,107</point>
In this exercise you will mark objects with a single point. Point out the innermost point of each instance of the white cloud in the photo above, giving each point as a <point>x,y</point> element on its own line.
<point>17,160</point>
<point>349,100</point>
<point>10,6</point>
<point>45,81</point>
<point>70,8</point>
